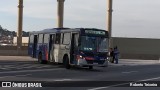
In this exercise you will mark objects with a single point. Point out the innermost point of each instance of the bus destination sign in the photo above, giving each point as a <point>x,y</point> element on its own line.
<point>95,32</point>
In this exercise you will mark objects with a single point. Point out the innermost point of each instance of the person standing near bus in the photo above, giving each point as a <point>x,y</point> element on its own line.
<point>116,55</point>
<point>111,55</point>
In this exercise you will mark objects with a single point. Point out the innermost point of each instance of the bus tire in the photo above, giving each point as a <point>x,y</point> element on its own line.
<point>66,62</point>
<point>90,67</point>
<point>40,59</point>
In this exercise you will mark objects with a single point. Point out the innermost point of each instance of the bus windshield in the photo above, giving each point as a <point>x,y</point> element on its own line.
<point>98,44</point>
<point>102,44</point>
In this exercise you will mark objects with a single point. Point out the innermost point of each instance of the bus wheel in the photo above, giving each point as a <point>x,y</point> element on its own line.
<point>66,62</point>
<point>90,67</point>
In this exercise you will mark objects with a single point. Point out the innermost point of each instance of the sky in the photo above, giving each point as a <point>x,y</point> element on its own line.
<point>131,18</point>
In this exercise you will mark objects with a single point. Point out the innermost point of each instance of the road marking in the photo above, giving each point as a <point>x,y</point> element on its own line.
<point>4,68</point>
<point>31,70</point>
<point>24,66</point>
<point>23,75</point>
<point>63,80</point>
<point>150,79</point>
<point>16,76</point>
<point>130,72</point>
<point>98,88</point>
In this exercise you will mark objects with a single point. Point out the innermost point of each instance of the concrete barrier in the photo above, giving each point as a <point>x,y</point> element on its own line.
<point>130,48</point>
<point>139,56</point>
<point>12,51</point>
<point>138,48</point>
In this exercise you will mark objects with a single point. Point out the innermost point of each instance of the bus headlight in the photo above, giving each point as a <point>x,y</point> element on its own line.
<point>79,57</point>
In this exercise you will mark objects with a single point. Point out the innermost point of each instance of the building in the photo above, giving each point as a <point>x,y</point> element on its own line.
<point>24,41</point>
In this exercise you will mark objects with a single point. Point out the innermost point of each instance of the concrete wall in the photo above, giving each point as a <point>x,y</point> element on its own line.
<point>130,48</point>
<point>138,48</point>
<point>12,51</point>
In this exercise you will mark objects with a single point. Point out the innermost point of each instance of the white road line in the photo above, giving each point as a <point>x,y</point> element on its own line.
<point>63,80</point>
<point>130,72</point>
<point>31,70</point>
<point>16,76</point>
<point>44,66</point>
<point>99,88</point>
<point>4,68</point>
<point>25,66</point>
<point>23,75</point>
<point>150,79</point>
<point>31,66</point>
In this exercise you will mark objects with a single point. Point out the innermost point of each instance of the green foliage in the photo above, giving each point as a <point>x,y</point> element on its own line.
<point>5,32</point>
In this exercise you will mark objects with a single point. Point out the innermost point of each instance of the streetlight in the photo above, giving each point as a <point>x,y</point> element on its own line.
<point>20,25</point>
<point>60,13</point>
<point>110,22</point>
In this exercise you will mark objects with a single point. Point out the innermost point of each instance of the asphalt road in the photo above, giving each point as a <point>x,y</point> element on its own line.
<point>100,78</point>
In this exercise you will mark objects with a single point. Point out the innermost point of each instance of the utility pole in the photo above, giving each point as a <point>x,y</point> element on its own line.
<point>60,13</point>
<point>110,22</point>
<point>20,25</point>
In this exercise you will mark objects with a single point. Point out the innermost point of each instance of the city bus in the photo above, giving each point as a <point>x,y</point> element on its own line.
<point>85,47</point>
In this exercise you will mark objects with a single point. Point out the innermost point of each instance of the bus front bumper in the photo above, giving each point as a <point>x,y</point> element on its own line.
<point>83,62</point>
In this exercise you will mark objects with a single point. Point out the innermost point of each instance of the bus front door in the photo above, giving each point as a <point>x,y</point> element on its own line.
<point>35,46</point>
<point>74,48</point>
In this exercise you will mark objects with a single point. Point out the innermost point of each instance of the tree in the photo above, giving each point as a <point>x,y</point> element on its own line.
<point>1,27</point>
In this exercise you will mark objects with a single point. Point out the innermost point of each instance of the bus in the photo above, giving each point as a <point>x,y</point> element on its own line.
<point>85,47</point>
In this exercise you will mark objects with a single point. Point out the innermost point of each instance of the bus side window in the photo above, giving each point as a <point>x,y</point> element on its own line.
<point>58,37</point>
<point>31,39</point>
<point>40,39</point>
<point>66,38</point>
<point>46,38</point>
<point>76,39</point>
<point>62,38</point>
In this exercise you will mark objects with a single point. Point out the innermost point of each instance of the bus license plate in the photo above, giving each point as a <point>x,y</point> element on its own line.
<point>102,59</point>
<point>95,63</point>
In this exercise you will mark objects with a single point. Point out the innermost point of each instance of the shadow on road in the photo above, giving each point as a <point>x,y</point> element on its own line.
<point>86,69</point>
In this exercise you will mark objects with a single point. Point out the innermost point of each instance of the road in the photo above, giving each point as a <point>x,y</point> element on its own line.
<point>114,77</point>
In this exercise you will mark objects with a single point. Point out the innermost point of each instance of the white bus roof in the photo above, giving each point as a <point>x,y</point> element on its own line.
<point>56,30</point>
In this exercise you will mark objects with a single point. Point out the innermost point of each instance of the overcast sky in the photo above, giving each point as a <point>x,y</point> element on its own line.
<point>131,18</point>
